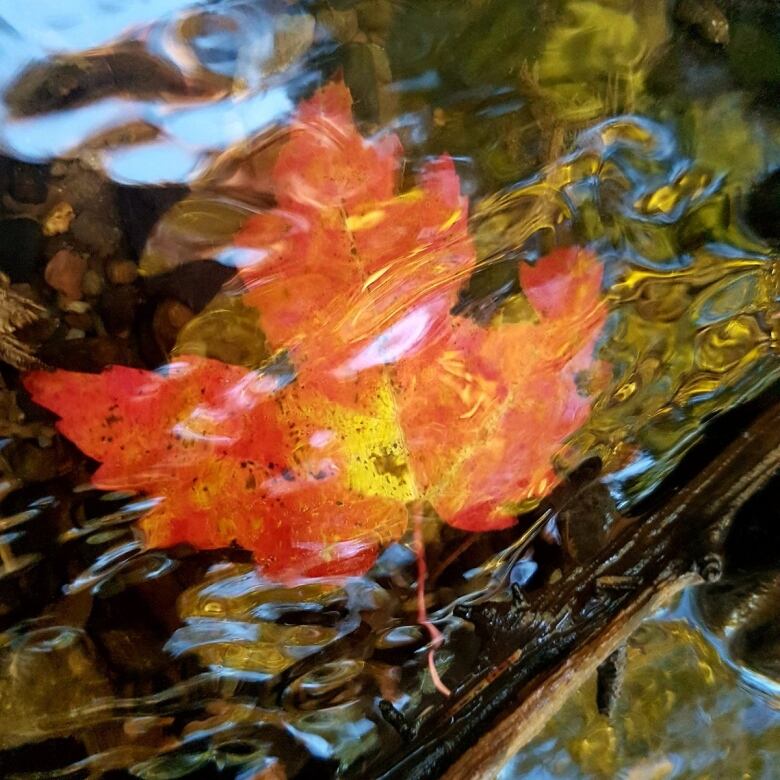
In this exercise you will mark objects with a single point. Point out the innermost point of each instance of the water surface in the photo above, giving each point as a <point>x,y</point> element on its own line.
<point>616,127</point>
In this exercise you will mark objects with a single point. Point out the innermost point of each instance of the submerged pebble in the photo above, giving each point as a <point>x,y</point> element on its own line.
<point>118,305</point>
<point>194,284</point>
<point>705,18</point>
<point>59,219</point>
<point>28,183</point>
<point>92,284</point>
<point>122,271</point>
<point>169,318</point>
<point>96,232</point>
<point>65,271</point>
<point>341,23</point>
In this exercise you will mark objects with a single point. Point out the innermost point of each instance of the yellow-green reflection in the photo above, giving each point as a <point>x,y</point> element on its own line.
<point>681,714</point>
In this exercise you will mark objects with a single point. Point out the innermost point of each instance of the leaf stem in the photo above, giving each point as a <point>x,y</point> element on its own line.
<point>422,612</point>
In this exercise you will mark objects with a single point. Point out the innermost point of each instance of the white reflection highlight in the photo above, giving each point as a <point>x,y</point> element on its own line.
<point>399,340</point>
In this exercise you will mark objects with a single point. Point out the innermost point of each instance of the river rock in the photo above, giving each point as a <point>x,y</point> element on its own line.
<point>118,305</point>
<point>28,183</point>
<point>96,232</point>
<point>92,284</point>
<point>169,318</point>
<point>59,219</point>
<point>122,272</point>
<point>194,284</point>
<point>341,24</point>
<point>140,208</point>
<point>65,271</point>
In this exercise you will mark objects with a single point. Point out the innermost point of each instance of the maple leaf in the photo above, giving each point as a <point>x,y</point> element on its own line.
<point>392,401</point>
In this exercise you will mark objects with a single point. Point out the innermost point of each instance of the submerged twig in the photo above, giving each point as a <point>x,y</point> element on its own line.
<point>16,311</point>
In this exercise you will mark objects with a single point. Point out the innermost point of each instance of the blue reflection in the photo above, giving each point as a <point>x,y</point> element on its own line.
<point>153,163</point>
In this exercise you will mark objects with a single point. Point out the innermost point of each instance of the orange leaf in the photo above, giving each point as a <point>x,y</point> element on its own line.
<point>393,399</point>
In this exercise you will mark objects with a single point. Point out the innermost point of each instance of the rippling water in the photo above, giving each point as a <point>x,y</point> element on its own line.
<point>613,127</point>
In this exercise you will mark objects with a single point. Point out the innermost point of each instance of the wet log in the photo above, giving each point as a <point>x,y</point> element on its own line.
<point>545,647</point>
